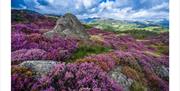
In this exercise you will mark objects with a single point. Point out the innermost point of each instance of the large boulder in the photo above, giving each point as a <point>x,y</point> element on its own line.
<point>68,25</point>
<point>39,67</point>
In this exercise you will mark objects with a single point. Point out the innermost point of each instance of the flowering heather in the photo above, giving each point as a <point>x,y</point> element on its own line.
<point>77,77</point>
<point>28,54</point>
<point>118,42</point>
<point>95,31</point>
<point>143,57</point>
<point>18,41</point>
<point>138,63</point>
<point>21,79</point>
<point>41,42</point>
<point>24,28</point>
<point>57,48</point>
<point>106,62</point>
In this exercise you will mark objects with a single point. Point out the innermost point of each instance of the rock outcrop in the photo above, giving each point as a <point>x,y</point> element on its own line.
<point>119,77</point>
<point>39,67</point>
<point>68,25</point>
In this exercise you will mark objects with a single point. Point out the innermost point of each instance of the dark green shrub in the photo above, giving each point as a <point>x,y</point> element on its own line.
<point>83,51</point>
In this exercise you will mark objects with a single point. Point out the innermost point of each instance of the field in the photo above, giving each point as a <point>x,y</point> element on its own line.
<point>116,56</point>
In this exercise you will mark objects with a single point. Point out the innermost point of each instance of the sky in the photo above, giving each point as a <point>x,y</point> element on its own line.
<point>116,9</point>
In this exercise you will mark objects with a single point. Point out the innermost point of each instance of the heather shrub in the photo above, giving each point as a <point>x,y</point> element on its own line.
<point>102,65</point>
<point>157,84</point>
<point>127,59</point>
<point>126,42</point>
<point>21,79</point>
<point>34,37</point>
<point>28,54</point>
<point>18,40</point>
<point>57,48</point>
<point>95,31</point>
<point>104,59</point>
<point>59,55</point>
<point>97,39</point>
<point>145,63</point>
<point>77,77</point>
<point>36,40</point>
<point>25,28</point>
<point>131,73</point>
<point>154,82</point>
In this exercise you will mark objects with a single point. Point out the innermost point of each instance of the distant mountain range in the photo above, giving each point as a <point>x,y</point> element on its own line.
<point>160,22</point>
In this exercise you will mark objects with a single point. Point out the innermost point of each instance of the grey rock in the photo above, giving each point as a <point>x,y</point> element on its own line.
<point>68,25</point>
<point>40,67</point>
<point>162,71</point>
<point>119,77</point>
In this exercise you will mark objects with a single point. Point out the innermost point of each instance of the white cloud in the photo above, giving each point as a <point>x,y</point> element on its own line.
<point>23,7</point>
<point>50,1</point>
<point>87,3</point>
<point>164,5</point>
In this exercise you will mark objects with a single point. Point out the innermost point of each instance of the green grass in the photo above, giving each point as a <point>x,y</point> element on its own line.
<point>139,34</point>
<point>83,51</point>
<point>161,49</point>
<point>88,26</point>
<point>137,87</point>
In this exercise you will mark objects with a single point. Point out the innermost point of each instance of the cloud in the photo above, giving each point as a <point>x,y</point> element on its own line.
<point>163,6</point>
<point>117,9</point>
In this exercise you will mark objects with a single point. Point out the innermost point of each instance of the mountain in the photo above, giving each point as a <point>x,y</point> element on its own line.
<point>141,23</point>
<point>29,16</point>
<point>123,25</point>
<point>161,22</point>
<point>24,11</point>
<point>25,16</point>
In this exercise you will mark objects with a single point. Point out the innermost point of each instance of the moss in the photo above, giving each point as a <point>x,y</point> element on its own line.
<point>137,87</point>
